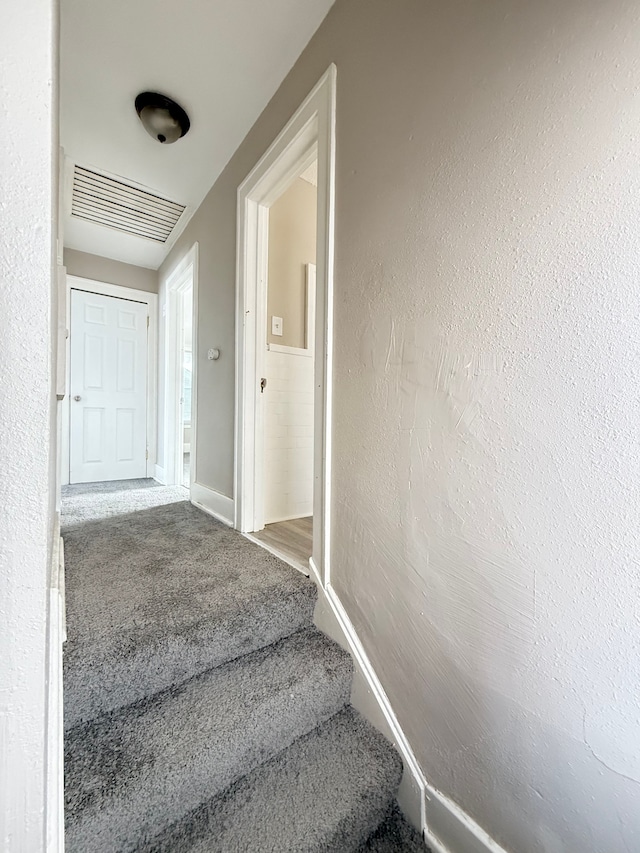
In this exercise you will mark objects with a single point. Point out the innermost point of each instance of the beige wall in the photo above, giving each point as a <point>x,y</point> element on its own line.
<point>97,268</point>
<point>485,450</point>
<point>292,245</point>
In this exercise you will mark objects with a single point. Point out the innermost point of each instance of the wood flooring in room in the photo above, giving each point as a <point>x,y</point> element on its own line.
<point>291,539</point>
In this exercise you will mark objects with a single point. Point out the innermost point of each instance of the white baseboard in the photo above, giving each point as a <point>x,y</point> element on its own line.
<point>445,827</point>
<point>278,519</point>
<point>160,475</point>
<point>448,829</point>
<point>213,503</point>
<point>368,697</point>
<point>56,630</point>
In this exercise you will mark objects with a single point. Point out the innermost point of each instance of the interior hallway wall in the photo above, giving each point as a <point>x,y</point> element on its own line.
<point>98,268</point>
<point>28,485</point>
<point>487,336</point>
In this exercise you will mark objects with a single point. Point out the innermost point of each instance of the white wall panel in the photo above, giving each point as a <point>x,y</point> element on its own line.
<point>288,438</point>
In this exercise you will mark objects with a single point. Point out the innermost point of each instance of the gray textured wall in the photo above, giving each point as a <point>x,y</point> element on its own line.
<point>97,268</point>
<point>486,466</point>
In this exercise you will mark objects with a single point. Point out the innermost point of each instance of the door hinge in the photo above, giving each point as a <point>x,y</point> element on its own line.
<point>147,321</point>
<point>146,455</point>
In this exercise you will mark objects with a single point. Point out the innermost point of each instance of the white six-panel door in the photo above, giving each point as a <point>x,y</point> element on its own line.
<point>108,388</point>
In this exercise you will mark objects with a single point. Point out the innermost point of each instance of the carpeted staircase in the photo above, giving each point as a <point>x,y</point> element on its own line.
<point>203,711</point>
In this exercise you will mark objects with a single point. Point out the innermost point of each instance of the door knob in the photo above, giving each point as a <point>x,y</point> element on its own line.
<point>77,398</point>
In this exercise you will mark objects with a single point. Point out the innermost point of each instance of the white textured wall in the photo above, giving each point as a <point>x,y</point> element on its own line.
<point>28,176</point>
<point>288,436</point>
<point>486,441</point>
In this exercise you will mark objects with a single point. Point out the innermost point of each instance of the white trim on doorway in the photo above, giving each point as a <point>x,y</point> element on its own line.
<point>310,134</point>
<point>181,279</point>
<point>151,300</point>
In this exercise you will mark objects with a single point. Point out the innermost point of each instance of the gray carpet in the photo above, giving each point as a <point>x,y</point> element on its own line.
<point>98,501</point>
<point>322,794</point>
<point>204,712</point>
<point>392,835</point>
<point>158,595</point>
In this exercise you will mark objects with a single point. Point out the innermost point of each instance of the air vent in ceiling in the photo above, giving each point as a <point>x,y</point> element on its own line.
<point>107,201</point>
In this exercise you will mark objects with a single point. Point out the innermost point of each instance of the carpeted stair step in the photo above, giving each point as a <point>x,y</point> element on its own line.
<point>326,792</point>
<point>157,596</point>
<point>138,770</point>
<point>394,835</point>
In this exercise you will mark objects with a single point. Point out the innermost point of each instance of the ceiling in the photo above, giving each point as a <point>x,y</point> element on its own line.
<point>221,60</point>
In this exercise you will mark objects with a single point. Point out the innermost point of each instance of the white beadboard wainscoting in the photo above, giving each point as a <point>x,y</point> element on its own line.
<point>288,434</point>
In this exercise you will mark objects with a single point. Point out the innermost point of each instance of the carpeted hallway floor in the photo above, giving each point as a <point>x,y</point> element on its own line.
<point>203,711</point>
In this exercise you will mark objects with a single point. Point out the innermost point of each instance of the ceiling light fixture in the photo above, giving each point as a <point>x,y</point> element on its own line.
<point>161,117</point>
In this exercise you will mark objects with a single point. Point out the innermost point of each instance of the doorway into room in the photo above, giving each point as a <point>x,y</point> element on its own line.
<point>284,332</point>
<point>288,361</point>
<point>184,434</point>
<point>180,375</point>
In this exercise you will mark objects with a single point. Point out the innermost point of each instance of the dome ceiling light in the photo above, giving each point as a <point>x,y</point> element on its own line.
<point>161,117</point>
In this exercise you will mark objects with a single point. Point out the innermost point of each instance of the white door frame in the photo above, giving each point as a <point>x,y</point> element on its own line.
<point>309,134</point>
<point>183,277</point>
<point>151,300</point>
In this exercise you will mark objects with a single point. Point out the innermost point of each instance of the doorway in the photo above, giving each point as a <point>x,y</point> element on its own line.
<point>288,359</point>
<point>186,374</point>
<point>108,419</point>
<point>180,374</point>
<point>307,139</point>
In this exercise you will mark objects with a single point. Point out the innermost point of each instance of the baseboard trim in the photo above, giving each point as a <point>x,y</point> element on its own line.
<point>160,475</point>
<point>290,517</point>
<point>213,503</point>
<point>56,635</point>
<point>369,698</point>
<point>445,827</point>
<point>449,829</point>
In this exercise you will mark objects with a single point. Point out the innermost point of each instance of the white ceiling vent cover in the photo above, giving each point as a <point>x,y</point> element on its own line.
<point>110,202</point>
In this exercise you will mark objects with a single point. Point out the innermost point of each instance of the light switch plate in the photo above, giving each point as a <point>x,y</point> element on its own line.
<point>276,326</point>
